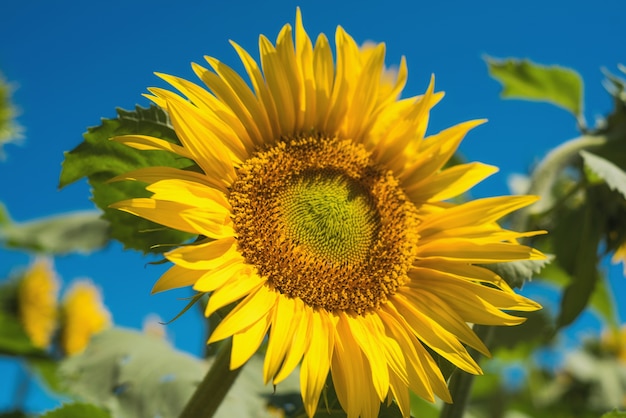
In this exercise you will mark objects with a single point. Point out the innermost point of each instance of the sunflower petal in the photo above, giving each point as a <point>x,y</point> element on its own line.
<point>246,313</point>
<point>248,341</point>
<point>316,360</point>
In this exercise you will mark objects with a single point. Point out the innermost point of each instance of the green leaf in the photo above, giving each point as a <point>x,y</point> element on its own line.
<point>524,79</point>
<point>132,374</point>
<point>614,176</point>
<point>601,300</point>
<point>422,408</point>
<point>521,340</point>
<point>13,338</point>
<point>576,238</point>
<point>135,375</point>
<point>603,304</point>
<point>516,273</point>
<point>80,232</point>
<point>10,130</point>
<point>100,159</point>
<point>46,370</point>
<point>77,410</point>
<point>14,414</point>
<point>4,215</point>
<point>614,414</point>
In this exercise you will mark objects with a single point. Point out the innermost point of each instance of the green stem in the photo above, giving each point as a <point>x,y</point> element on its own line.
<point>461,382</point>
<point>546,173</point>
<point>216,384</point>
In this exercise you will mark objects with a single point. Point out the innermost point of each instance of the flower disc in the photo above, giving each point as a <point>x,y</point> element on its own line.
<point>324,224</point>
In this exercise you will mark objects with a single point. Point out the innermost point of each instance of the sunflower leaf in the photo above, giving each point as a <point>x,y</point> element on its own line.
<point>524,79</point>
<point>46,370</point>
<point>99,159</point>
<point>601,300</point>
<point>80,232</point>
<point>576,239</point>
<point>77,410</point>
<point>614,176</point>
<point>132,374</point>
<point>614,414</point>
<point>135,375</point>
<point>13,339</point>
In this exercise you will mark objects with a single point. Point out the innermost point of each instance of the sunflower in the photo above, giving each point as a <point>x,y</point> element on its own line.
<point>37,302</point>
<point>324,211</point>
<point>84,315</point>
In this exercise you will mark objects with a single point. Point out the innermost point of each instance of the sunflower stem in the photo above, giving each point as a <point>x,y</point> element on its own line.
<point>461,382</point>
<point>213,389</point>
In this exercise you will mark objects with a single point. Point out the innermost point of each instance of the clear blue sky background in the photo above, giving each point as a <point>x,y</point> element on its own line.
<point>74,62</point>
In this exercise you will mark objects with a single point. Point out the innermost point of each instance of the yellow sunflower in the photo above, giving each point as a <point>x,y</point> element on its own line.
<point>84,315</point>
<point>324,210</point>
<point>37,302</point>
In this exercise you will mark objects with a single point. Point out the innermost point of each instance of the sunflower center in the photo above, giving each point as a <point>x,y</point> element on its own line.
<point>323,223</point>
<point>330,215</point>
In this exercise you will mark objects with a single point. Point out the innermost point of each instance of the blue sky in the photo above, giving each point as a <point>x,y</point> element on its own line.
<point>75,62</point>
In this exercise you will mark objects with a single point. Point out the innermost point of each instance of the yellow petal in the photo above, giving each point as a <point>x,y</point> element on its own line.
<point>248,341</point>
<point>472,252</point>
<point>424,374</point>
<point>284,321</point>
<point>476,303</point>
<point>246,313</point>
<point>450,183</point>
<point>351,374</point>
<point>476,212</point>
<point>316,360</point>
<point>176,277</point>
<point>279,87</point>
<point>154,174</point>
<point>371,348</point>
<point>298,342</point>
<point>433,307</point>
<point>205,256</point>
<point>260,88</point>
<point>190,193</point>
<point>217,277</point>
<point>208,150</point>
<point>435,151</point>
<point>324,72</point>
<point>144,142</point>
<point>304,59</point>
<point>234,91</point>
<point>223,123</point>
<point>159,211</point>
<point>431,333</point>
<point>233,291</point>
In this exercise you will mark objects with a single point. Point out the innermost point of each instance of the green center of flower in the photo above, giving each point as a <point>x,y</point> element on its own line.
<point>330,215</point>
<point>323,223</point>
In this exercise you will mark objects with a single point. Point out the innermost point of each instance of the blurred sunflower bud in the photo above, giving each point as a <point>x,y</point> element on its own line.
<point>83,315</point>
<point>37,302</point>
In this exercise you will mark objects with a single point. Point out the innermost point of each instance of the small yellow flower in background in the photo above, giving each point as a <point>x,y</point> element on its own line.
<point>615,342</point>
<point>37,302</point>
<point>619,256</point>
<point>84,315</point>
<point>325,211</point>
